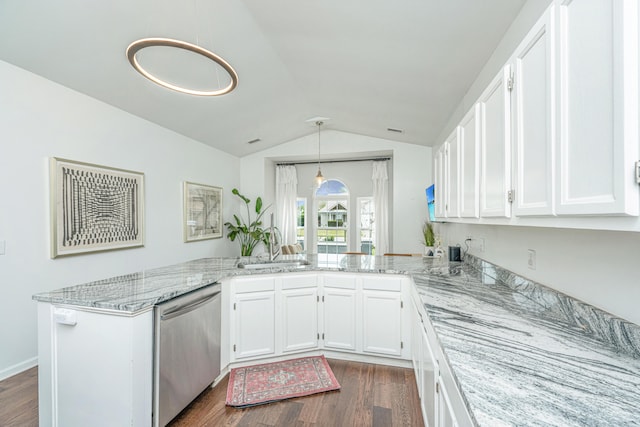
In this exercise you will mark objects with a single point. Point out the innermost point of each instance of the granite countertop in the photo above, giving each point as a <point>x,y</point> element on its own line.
<point>521,354</point>
<point>140,291</point>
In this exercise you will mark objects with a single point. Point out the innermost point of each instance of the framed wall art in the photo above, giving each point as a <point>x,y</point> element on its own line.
<point>94,208</point>
<point>202,212</point>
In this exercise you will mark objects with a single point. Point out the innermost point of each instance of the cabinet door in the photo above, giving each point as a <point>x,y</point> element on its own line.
<point>299,319</point>
<point>382,322</point>
<point>533,121</point>
<point>452,158</point>
<point>440,187</point>
<point>598,108</point>
<point>470,164</point>
<point>429,377</point>
<point>446,415</point>
<point>254,324</point>
<point>495,130</point>
<point>339,318</point>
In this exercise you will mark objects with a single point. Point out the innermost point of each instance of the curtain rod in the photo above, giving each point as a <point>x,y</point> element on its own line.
<point>315,162</point>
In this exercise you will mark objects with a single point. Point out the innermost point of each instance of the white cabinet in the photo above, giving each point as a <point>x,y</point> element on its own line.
<point>441,402</point>
<point>253,317</point>
<point>469,134</point>
<point>495,142</point>
<point>598,106</point>
<point>299,307</point>
<point>382,308</point>
<point>441,189</point>
<point>533,96</point>
<point>103,357</point>
<point>339,312</point>
<point>452,176</point>
<point>275,315</point>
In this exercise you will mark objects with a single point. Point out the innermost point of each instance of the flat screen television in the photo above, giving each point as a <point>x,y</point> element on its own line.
<point>431,202</point>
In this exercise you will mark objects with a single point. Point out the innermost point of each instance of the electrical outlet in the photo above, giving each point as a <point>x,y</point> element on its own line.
<point>531,260</point>
<point>3,245</point>
<point>481,244</point>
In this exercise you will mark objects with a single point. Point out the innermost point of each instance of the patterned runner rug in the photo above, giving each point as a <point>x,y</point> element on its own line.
<point>270,382</point>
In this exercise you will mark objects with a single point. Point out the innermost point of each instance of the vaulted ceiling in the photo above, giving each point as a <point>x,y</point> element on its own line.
<point>368,65</point>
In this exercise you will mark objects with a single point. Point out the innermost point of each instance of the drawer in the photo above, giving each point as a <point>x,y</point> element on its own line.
<point>377,283</point>
<point>297,281</point>
<point>342,281</point>
<point>253,284</point>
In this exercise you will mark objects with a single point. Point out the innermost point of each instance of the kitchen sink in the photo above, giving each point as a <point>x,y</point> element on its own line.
<point>294,263</point>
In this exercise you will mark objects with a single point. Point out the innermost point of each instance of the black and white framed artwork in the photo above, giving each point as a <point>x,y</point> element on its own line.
<point>202,212</point>
<point>94,208</point>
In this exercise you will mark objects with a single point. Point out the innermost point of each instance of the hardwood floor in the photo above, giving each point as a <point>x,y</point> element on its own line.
<point>19,399</point>
<point>371,395</point>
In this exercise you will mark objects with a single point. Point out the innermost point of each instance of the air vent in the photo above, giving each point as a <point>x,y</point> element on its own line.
<point>395,130</point>
<point>253,141</point>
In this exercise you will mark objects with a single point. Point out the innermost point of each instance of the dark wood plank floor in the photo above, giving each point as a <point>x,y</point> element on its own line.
<point>371,395</point>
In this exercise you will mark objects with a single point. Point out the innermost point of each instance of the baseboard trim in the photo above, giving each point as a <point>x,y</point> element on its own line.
<point>18,367</point>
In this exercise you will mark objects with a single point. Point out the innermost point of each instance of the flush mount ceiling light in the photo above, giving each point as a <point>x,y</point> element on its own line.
<point>138,45</point>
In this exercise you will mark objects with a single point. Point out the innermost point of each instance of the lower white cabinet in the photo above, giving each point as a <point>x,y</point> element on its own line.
<point>273,315</point>
<point>382,314</point>
<point>339,315</point>
<point>299,308</point>
<point>253,317</point>
<point>441,402</point>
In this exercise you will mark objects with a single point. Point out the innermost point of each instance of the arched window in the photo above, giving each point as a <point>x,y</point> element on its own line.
<point>332,209</point>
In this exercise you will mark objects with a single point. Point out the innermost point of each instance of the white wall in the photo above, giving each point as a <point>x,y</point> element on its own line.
<point>40,119</point>
<point>598,267</point>
<point>412,173</point>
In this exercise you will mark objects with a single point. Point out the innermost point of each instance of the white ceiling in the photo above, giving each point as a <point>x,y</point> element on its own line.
<point>367,64</point>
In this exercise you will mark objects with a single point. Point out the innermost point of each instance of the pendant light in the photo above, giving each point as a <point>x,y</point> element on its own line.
<point>319,178</point>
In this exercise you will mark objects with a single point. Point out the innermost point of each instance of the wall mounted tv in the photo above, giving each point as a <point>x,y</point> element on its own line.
<point>431,202</point>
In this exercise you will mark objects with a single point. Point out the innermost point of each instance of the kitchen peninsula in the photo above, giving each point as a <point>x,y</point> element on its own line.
<point>517,353</point>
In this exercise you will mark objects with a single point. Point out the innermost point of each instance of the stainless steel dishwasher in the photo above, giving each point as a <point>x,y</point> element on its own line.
<point>186,350</point>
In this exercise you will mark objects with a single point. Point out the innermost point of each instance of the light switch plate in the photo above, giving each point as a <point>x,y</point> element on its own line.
<point>531,261</point>
<point>3,245</point>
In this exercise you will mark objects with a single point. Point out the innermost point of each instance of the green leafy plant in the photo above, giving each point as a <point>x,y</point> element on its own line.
<point>248,233</point>
<point>428,236</point>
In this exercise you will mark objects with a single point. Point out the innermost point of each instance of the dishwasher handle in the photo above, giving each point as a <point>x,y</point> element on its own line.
<point>186,308</point>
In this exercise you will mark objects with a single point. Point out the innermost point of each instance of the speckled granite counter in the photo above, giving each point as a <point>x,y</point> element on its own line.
<point>521,354</point>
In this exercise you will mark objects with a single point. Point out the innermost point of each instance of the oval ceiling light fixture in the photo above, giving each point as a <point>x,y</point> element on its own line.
<point>138,45</point>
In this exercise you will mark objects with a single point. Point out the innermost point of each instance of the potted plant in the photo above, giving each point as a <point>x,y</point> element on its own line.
<point>251,232</point>
<point>428,238</point>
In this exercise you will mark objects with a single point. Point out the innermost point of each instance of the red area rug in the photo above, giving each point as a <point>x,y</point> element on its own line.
<point>270,382</point>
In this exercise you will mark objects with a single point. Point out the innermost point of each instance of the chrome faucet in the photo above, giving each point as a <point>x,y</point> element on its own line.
<point>274,247</point>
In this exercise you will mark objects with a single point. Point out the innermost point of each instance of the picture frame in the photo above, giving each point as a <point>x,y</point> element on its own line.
<point>202,217</point>
<point>94,208</point>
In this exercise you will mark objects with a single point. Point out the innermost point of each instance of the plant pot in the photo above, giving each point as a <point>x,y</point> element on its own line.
<point>429,251</point>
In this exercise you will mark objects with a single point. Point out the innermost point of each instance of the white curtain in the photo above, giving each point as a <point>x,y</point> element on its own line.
<point>286,194</point>
<point>381,206</point>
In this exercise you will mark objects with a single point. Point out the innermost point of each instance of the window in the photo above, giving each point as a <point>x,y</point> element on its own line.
<point>332,209</point>
<point>301,228</point>
<point>366,229</point>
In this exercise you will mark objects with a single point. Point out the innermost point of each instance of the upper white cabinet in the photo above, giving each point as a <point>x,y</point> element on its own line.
<point>598,106</point>
<point>533,121</point>
<point>469,135</point>
<point>452,175</point>
<point>495,142</point>
<point>558,127</point>
<point>441,189</point>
